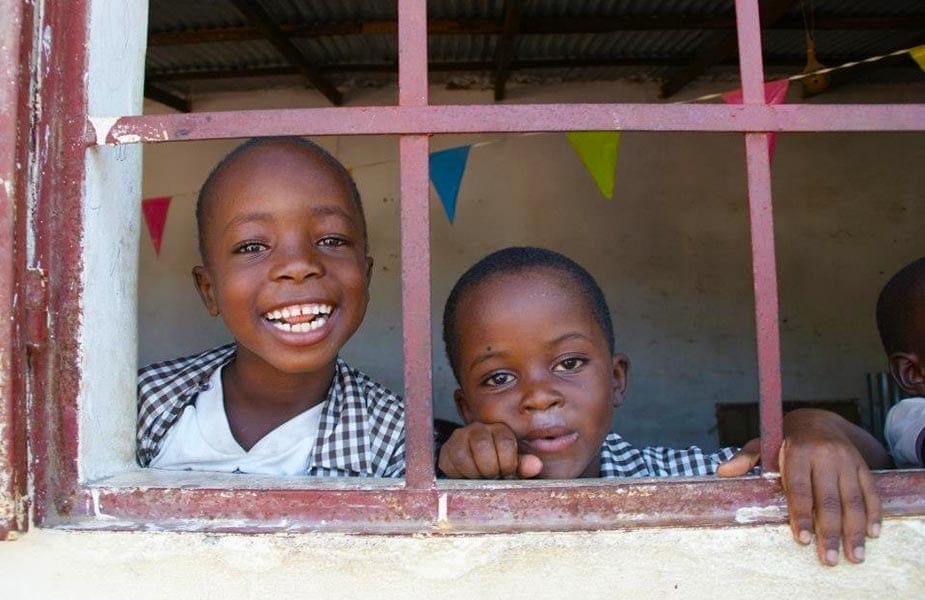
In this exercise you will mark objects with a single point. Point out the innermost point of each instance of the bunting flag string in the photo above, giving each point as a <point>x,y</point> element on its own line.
<point>774,93</point>
<point>446,171</point>
<point>155,213</point>
<point>913,52</point>
<point>918,55</point>
<point>598,151</point>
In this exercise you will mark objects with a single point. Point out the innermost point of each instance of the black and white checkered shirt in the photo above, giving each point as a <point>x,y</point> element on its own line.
<point>619,458</point>
<point>362,429</point>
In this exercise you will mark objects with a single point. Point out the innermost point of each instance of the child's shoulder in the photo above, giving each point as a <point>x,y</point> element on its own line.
<point>356,387</point>
<point>190,368</point>
<point>905,432</point>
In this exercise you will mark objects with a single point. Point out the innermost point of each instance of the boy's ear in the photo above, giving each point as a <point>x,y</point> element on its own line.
<point>203,282</point>
<point>621,374</point>
<point>462,406</point>
<point>908,372</point>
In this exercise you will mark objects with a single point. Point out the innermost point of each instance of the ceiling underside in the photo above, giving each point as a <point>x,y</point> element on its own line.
<point>196,46</point>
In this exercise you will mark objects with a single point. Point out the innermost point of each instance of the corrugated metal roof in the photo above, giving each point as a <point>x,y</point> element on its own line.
<point>629,44</point>
<point>575,55</point>
<point>836,46</point>
<point>627,8</point>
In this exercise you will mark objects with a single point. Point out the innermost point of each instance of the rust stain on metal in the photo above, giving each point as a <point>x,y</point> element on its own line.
<point>58,159</point>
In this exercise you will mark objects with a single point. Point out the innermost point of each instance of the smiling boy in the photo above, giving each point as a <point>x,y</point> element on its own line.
<point>282,237</point>
<point>530,341</point>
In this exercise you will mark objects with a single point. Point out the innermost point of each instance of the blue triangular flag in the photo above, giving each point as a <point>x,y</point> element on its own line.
<point>446,171</point>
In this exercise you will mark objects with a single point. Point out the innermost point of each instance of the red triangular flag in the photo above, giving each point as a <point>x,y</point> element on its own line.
<point>774,93</point>
<point>155,211</point>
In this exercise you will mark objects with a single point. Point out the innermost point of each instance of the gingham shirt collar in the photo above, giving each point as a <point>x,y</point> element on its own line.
<point>362,424</point>
<point>619,458</point>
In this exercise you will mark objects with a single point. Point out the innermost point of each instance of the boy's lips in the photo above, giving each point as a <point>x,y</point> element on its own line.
<point>549,439</point>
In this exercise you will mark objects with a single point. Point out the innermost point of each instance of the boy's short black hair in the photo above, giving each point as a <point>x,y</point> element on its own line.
<point>517,259</point>
<point>900,305</point>
<point>205,193</point>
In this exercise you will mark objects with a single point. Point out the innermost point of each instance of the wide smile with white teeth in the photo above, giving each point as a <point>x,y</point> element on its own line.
<point>299,318</point>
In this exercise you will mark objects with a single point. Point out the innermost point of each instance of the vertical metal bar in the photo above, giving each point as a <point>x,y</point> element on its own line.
<point>415,250</point>
<point>883,399</point>
<point>415,277</point>
<point>58,159</point>
<point>412,52</point>
<point>764,271</point>
<point>871,382</point>
<point>761,220</point>
<point>751,69</point>
<point>13,123</point>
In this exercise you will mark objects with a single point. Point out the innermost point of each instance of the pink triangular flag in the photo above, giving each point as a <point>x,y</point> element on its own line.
<point>155,211</point>
<point>774,93</point>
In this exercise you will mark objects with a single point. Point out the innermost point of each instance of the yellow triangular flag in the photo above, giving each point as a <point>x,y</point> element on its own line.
<point>918,55</point>
<point>598,151</point>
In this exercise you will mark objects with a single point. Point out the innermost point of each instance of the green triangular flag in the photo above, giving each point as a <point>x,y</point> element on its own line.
<point>918,55</point>
<point>598,151</point>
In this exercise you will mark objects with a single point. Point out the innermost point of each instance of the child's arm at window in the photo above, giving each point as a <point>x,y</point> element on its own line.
<point>825,464</point>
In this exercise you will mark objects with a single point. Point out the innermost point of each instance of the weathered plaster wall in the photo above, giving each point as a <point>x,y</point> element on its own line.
<point>671,249</point>
<point>735,563</point>
<point>111,233</point>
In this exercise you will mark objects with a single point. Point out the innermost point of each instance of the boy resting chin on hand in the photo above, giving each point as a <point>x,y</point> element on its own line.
<point>531,343</point>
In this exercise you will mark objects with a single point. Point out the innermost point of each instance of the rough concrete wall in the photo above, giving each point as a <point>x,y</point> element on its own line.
<point>671,250</point>
<point>111,236</point>
<point>734,563</point>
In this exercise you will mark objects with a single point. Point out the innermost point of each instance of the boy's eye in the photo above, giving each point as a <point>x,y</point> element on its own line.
<point>498,379</point>
<point>249,247</point>
<point>333,242</point>
<point>569,364</point>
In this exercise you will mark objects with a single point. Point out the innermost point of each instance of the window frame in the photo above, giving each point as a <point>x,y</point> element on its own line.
<point>63,132</point>
<point>14,505</point>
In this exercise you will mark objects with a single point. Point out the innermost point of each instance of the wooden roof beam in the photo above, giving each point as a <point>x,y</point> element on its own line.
<point>536,25</point>
<point>513,15</point>
<point>260,19</point>
<point>726,46</point>
<point>568,63</point>
<point>159,94</point>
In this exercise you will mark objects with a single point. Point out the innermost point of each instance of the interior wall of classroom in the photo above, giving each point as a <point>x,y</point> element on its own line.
<point>671,249</point>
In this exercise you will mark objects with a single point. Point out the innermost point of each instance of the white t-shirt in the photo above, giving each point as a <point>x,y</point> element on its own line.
<point>905,432</point>
<point>201,440</point>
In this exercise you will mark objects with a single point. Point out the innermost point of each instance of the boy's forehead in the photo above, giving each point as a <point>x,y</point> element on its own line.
<point>530,281</point>
<point>277,164</point>
<point>276,158</point>
<point>512,292</point>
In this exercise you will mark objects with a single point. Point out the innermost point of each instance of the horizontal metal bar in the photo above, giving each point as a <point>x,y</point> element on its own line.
<point>385,120</point>
<point>459,506</point>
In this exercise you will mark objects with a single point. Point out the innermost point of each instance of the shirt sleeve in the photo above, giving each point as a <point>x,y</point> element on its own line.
<point>686,462</point>
<point>396,466</point>
<point>905,432</point>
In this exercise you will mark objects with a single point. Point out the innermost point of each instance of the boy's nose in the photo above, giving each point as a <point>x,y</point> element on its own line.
<point>297,264</point>
<point>540,395</point>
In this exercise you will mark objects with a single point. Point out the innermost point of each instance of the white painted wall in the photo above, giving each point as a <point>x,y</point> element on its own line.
<point>108,326</point>
<point>671,250</point>
<point>759,562</point>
